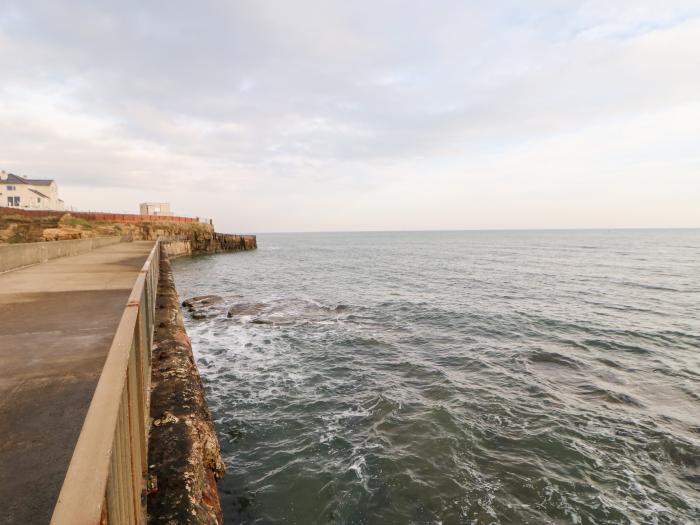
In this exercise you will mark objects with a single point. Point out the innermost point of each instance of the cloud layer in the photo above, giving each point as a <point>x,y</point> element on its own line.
<point>352,115</point>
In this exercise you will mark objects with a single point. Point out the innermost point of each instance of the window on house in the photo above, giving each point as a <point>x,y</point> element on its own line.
<point>38,199</point>
<point>13,201</point>
<point>11,188</point>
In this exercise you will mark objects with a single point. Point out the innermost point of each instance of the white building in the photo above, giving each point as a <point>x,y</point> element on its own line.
<point>155,208</point>
<point>33,194</point>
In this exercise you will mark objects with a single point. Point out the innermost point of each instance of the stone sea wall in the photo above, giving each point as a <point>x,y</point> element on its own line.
<point>226,242</point>
<point>184,457</point>
<point>216,243</point>
<point>177,248</point>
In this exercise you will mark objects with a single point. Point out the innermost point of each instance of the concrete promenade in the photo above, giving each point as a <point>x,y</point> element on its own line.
<point>57,321</point>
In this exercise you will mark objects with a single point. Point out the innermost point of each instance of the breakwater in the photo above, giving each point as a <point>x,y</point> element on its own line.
<point>183,455</point>
<point>214,243</point>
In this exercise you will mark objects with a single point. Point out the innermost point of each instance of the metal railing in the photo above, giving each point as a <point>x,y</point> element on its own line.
<point>105,482</point>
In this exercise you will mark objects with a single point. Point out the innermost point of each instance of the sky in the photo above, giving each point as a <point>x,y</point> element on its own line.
<point>364,115</point>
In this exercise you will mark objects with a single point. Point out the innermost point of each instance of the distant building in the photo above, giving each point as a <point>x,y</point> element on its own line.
<point>155,208</point>
<point>33,194</point>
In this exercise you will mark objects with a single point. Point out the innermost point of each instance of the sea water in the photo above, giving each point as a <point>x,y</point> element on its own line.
<point>455,377</point>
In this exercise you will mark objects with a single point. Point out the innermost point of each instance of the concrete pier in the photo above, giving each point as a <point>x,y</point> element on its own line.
<point>57,321</point>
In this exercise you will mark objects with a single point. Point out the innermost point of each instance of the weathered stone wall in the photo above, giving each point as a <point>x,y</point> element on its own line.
<point>218,242</point>
<point>184,457</point>
<point>176,248</point>
<point>200,236</point>
<point>226,242</point>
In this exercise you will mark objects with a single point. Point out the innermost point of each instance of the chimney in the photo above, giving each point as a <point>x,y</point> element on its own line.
<point>3,175</point>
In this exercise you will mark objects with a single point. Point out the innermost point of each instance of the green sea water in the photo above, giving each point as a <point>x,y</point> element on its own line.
<point>455,377</point>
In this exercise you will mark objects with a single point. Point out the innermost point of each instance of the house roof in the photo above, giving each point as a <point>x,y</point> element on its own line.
<point>38,193</point>
<point>16,179</point>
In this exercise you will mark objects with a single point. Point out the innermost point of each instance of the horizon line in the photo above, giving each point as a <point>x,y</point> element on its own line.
<point>454,230</point>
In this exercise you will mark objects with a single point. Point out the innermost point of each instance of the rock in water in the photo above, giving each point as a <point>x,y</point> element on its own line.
<point>203,306</point>
<point>245,309</point>
<point>202,300</point>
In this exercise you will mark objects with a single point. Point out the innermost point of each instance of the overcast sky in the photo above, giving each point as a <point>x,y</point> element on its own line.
<point>360,115</point>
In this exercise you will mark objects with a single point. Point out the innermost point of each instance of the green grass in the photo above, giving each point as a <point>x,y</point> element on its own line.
<point>16,218</point>
<point>68,220</point>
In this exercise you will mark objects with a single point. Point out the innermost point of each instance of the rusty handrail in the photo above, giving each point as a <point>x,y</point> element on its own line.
<point>105,482</point>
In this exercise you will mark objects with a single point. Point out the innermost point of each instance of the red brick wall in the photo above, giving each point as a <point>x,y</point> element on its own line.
<point>96,216</point>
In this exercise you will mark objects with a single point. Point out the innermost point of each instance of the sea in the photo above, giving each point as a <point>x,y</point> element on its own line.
<point>462,377</point>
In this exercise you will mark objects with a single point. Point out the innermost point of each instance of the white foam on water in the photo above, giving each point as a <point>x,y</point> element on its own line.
<point>359,467</point>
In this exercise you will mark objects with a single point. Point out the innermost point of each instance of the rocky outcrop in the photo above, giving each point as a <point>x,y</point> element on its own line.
<point>179,238</point>
<point>63,234</point>
<point>17,228</point>
<point>203,306</point>
<point>202,300</point>
<point>242,309</point>
<point>183,453</point>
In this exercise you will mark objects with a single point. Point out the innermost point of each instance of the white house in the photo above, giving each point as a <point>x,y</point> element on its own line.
<point>34,194</point>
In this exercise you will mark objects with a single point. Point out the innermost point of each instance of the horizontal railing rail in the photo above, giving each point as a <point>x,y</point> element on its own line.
<point>105,481</point>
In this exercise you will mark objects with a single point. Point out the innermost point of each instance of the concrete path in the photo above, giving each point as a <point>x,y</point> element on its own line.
<point>57,321</point>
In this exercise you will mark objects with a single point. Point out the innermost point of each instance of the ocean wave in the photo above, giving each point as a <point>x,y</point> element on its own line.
<point>553,358</point>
